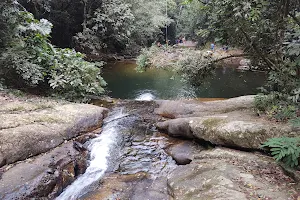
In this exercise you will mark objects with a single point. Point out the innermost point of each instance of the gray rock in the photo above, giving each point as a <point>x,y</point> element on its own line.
<point>222,130</point>
<point>193,108</point>
<point>229,175</point>
<point>182,152</point>
<point>45,176</point>
<point>176,127</point>
<point>34,131</point>
<point>230,123</point>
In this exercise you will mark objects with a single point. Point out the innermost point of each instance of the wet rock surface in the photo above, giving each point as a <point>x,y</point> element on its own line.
<point>156,166</point>
<point>44,176</point>
<point>142,170</point>
<point>143,164</point>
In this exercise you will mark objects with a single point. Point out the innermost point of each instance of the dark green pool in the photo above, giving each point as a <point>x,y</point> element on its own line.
<point>125,83</point>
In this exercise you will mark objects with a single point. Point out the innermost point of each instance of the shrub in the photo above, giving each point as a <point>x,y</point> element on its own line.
<point>263,102</point>
<point>285,149</point>
<point>146,56</point>
<point>72,77</point>
<point>276,106</point>
<point>195,67</point>
<point>30,61</point>
<point>142,61</point>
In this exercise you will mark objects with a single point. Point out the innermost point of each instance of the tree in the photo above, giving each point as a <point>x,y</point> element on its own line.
<point>261,28</point>
<point>121,25</point>
<point>29,60</point>
<point>192,22</point>
<point>149,18</point>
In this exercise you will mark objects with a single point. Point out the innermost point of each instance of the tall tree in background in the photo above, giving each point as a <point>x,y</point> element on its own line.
<point>107,28</point>
<point>192,22</point>
<point>120,25</point>
<point>149,18</point>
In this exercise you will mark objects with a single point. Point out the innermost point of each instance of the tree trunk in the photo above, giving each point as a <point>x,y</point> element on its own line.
<point>84,14</point>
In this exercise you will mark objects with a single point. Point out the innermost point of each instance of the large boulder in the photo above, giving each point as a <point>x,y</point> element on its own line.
<point>222,130</point>
<point>31,127</point>
<point>231,123</point>
<point>192,108</point>
<point>223,174</point>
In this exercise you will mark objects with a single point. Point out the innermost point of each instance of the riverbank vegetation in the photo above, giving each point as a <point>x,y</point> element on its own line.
<point>29,61</point>
<point>267,32</point>
<point>32,63</point>
<point>193,65</point>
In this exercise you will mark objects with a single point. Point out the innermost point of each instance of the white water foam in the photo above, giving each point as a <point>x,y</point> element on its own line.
<point>99,148</point>
<point>145,97</point>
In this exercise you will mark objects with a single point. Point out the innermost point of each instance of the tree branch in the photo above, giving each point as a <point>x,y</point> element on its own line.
<point>231,56</point>
<point>266,60</point>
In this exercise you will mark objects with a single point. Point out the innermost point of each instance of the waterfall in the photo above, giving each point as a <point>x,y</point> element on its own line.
<point>101,149</point>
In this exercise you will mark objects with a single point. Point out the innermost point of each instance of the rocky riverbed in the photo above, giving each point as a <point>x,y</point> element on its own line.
<point>184,149</point>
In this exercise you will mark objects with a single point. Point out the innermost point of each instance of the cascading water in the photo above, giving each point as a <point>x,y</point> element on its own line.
<point>102,150</point>
<point>145,97</point>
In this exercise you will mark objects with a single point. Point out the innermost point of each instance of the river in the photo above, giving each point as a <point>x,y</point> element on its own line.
<point>125,82</point>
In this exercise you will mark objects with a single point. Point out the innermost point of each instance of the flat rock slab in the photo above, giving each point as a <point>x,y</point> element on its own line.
<point>223,174</point>
<point>34,125</point>
<point>134,187</point>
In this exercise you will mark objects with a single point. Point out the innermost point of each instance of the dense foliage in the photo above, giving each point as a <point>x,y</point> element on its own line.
<point>192,22</point>
<point>121,25</point>
<point>194,66</point>
<point>269,33</point>
<point>28,60</point>
<point>109,27</point>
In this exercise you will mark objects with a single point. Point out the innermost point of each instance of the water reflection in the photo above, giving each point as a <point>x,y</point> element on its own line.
<point>125,83</point>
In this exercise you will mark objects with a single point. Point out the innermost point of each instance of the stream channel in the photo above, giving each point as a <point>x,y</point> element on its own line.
<point>129,159</point>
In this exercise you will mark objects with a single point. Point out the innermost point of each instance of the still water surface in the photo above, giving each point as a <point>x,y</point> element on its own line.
<point>125,83</point>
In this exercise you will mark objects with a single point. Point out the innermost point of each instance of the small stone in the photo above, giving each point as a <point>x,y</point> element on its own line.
<point>50,171</point>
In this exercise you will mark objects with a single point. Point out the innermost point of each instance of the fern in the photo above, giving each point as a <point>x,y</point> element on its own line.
<point>295,122</point>
<point>285,149</point>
